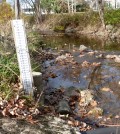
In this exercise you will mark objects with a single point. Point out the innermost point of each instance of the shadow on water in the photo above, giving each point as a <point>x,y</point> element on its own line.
<point>70,41</point>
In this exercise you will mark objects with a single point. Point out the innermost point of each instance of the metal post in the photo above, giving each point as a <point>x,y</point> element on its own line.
<point>23,55</point>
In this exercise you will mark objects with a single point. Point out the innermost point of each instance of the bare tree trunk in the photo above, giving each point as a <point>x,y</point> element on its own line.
<point>17,9</point>
<point>72,6</point>
<point>68,6</point>
<point>36,6</point>
<point>75,6</point>
<point>38,13</point>
<point>115,4</point>
<point>101,11</point>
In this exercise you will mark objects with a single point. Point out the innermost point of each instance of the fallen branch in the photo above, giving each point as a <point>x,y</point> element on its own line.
<point>110,125</point>
<point>38,100</point>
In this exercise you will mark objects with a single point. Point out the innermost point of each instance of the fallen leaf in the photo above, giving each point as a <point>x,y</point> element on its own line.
<point>93,103</point>
<point>5,112</point>
<point>105,89</point>
<point>70,123</point>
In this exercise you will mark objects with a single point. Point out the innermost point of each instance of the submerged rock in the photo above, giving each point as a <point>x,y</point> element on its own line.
<point>110,56</point>
<point>115,57</point>
<point>62,57</point>
<point>83,48</point>
<point>73,93</point>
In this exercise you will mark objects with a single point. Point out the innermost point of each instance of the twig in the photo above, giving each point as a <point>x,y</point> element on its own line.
<point>36,51</point>
<point>110,125</point>
<point>38,99</point>
<point>92,76</point>
<point>36,67</point>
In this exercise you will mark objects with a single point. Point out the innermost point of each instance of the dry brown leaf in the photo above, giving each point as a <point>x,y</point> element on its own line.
<point>5,112</point>
<point>93,103</point>
<point>70,123</point>
<point>31,120</point>
<point>96,64</point>
<point>77,123</point>
<point>11,111</point>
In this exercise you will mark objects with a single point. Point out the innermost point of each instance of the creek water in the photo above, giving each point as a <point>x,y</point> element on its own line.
<point>70,41</point>
<point>107,76</point>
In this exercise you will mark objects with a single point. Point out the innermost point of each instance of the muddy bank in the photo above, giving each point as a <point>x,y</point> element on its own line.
<point>87,23</point>
<point>110,32</point>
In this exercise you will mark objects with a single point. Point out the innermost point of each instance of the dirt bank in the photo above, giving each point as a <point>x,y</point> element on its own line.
<point>79,23</point>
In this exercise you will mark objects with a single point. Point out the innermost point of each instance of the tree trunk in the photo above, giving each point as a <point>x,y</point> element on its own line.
<point>38,14</point>
<point>72,6</point>
<point>68,6</point>
<point>17,9</point>
<point>101,11</point>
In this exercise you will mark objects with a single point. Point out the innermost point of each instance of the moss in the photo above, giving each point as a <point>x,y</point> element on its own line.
<point>59,28</point>
<point>112,17</point>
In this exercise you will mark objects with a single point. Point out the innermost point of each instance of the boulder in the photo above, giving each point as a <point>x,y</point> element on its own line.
<point>69,30</point>
<point>10,126</point>
<point>83,48</point>
<point>63,107</point>
<point>45,125</point>
<point>72,93</point>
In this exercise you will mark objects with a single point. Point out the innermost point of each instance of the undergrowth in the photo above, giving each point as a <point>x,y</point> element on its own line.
<point>59,22</point>
<point>9,69</point>
<point>112,17</point>
<point>9,74</point>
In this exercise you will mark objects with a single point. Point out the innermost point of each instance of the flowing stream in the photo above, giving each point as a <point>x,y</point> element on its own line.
<point>107,76</point>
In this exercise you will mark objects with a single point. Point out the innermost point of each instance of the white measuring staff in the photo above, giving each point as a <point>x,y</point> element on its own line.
<point>23,55</point>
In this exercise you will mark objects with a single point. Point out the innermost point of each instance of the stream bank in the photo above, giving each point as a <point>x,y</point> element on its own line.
<point>85,23</point>
<point>110,32</point>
